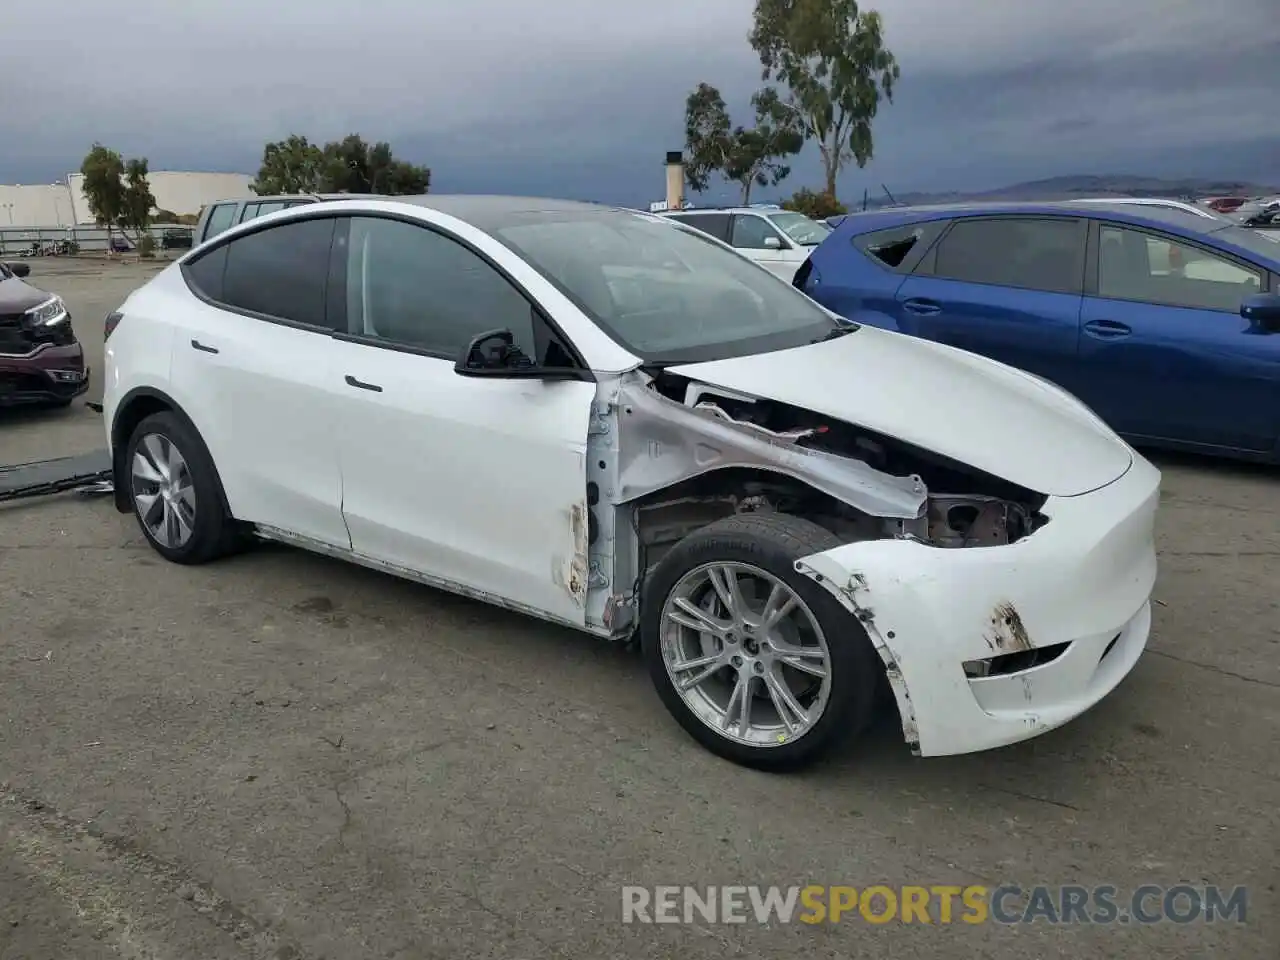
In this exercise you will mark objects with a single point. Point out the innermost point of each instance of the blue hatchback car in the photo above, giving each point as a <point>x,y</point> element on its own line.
<point>1166,324</point>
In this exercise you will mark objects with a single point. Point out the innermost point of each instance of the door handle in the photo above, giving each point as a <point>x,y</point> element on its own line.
<point>1107,329</point>
<point>202,348</point>
<point>360,384</point>
<point>923,308</point>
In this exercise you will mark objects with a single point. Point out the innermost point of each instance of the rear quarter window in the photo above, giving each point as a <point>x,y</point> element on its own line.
<point>899,248</point>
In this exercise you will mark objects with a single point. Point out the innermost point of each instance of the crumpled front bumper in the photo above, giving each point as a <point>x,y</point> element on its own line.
<point>1083,580</point>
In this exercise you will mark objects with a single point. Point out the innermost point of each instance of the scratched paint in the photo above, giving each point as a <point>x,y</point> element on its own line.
<point>1006,632</point>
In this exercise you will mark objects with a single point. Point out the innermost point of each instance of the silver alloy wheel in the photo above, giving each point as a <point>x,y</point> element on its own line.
<point>746,654</point>
<point>163,491</point>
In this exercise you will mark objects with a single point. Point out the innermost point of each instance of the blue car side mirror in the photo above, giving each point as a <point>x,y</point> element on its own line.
<point>1262,310</point>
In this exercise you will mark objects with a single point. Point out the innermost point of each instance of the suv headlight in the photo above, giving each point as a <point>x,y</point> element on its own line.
<point>50,313</point>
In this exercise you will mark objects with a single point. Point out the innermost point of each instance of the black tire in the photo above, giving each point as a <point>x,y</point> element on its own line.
<point>214,532</point>
<point>772,542</point>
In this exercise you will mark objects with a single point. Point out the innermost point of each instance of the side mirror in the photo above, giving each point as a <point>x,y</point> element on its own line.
<point>772,243</point>
<point>494,354</point>
<point>19,269</point>
<point>1262,310</point>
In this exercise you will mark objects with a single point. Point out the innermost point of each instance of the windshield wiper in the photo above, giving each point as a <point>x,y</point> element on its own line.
<point>835,333</point>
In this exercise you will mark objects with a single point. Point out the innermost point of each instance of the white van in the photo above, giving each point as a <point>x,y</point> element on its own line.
<point>779,240</point>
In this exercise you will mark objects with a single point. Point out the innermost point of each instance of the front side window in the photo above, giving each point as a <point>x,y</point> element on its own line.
<point>412,286</point>
<point>220,218</point>
<point>280,272</point>
<point>663,291</point>
<point>1134,265</point>
<point>1045,254</point>
<point>800,229</point>
<point>754,233</point>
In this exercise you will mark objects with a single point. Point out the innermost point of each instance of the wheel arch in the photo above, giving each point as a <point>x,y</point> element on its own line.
<point>136,405</point>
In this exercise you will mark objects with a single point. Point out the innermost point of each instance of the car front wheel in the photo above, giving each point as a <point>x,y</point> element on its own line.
<point>175,492</point>
<point>756,661</point>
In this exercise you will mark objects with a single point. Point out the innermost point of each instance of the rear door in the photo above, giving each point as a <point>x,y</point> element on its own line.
<point>251,366</point>
<point>1006,287</point>
<point>1165,351</point>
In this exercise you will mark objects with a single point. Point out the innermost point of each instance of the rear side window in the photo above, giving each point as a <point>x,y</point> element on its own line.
<point>899,248</point>
<point>261,209</point>
<point>1030,253</point>
<point>715,224</point>
<point>281,271</point>
<point>220,217</point>
<point>205,273</point>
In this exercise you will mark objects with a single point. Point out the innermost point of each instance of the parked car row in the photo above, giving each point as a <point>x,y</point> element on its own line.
<point>790,510</point>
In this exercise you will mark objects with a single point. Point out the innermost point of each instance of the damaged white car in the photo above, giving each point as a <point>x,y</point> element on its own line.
<point>616,423</point>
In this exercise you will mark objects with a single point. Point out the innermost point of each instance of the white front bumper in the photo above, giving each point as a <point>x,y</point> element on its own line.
<point>1084,579</point>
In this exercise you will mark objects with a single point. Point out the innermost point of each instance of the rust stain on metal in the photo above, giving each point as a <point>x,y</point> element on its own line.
<point>1007,632</point>
<point>572,574</point>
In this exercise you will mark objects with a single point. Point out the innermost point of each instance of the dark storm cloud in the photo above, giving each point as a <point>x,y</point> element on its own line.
<point>582,98</point>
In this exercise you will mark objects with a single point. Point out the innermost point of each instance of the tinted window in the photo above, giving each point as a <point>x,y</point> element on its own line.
<point>281,271</point>
<point>1133,265</point>
<point>1044,254</point>
<point>715,224</point>
<point>750,233</point>
<point>413,286</point>
<point>220,217</point>
<point>205,273</point>
<point>253,210</point>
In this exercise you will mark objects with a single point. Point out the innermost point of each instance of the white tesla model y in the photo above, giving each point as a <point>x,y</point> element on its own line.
<point>614,422</point>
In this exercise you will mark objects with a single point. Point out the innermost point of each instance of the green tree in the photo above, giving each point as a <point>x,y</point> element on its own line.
<point>831,58</point>
<point>813,204</point>
<point>291,165</point>
<point>742,155</point>
<point>118,193</point>
<point>350,165</point>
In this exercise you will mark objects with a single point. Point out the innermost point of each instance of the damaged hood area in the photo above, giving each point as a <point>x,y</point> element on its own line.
<point>952,403</point>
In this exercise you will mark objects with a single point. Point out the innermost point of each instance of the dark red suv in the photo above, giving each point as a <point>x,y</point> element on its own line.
<point>41,361</point>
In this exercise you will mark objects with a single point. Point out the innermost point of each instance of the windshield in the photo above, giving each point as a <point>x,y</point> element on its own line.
<point>1255,241</point>
<point>664,291</point>
<point>802,230</point>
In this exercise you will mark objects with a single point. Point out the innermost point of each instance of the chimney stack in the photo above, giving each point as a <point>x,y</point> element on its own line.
<point>675,180</point>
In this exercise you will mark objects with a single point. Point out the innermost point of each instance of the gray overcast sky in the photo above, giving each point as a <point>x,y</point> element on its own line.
<point>582,98</point>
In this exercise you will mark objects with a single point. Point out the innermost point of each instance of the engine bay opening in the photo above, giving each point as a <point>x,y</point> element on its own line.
<point>966,507</point>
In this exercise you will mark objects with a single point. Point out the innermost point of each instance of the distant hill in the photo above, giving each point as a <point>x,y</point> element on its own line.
<point>1068,188</point>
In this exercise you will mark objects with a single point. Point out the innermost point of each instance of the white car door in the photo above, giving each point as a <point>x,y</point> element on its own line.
<point>478,483</point>
<point>755,237</point>
<point>251,368</point>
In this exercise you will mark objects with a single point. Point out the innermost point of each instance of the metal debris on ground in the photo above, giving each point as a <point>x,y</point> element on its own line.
<point>88,472</point>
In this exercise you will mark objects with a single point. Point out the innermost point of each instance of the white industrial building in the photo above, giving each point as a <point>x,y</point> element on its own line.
<point>64,204</point>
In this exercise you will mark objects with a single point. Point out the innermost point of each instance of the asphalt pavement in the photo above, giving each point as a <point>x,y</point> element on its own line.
<point>282,756</point>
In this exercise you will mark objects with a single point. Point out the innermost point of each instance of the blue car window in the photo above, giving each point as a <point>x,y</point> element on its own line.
<point>1045,253</point>
<point>1135,265</point>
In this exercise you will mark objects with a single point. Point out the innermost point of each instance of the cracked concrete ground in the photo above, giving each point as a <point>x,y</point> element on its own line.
<point>280,756</point>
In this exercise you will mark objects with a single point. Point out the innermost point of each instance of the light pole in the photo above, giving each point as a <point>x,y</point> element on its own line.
<point>9,207</point>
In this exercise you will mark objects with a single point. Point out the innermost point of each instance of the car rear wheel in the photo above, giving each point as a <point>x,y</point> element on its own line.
<point>175,492</point>
<point>756,661</point>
